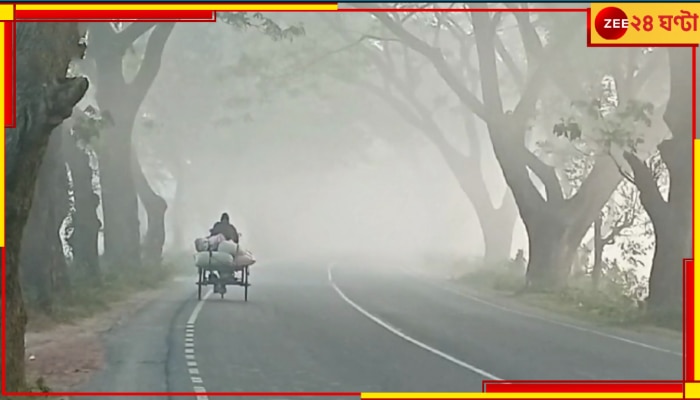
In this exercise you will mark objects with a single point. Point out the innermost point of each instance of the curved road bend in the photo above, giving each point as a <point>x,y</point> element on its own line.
<point>347,328</point>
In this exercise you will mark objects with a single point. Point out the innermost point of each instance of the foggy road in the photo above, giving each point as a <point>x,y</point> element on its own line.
<point>345,327</point>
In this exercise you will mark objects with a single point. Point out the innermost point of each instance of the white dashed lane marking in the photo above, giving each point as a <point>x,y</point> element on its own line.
<point>192,366</point>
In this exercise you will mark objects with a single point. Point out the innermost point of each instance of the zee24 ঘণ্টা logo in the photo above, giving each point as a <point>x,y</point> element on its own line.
<point>612,23</point>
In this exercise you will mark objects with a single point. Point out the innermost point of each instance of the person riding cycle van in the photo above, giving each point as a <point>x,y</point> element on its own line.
<point>224,227</point>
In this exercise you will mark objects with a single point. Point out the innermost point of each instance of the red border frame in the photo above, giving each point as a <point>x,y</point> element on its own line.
<point>531,386</point>
<point>10,78</point>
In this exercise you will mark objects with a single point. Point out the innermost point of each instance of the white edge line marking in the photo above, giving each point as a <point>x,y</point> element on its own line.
<point>550,321</point>
<point>406,337</point>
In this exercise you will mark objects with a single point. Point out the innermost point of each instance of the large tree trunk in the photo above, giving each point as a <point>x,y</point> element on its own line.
<point>552,249</point>
<point>35,271</point>
<point>45,97</point>
<point>597,271</point>
<point>507,133</point>
<point>555,225</point>
<point>122,100</point>
<point>672,219</point>
<point>178,210</point>
<point>119,202</point>
<point>673,244</point>
<point>86,224</point>
<point>155,209</point>
<point>497,225</point>
<point>43,263</point>
<point>58,211</point>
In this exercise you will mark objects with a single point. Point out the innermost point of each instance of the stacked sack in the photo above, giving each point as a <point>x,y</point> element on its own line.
<point>241,257</point>
<point>217,253</point>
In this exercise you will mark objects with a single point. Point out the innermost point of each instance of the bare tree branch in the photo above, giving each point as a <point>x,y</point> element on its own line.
<point>150,65</point>
<point>645,182</point>
<point>436,56</point>
<point>132,32</point>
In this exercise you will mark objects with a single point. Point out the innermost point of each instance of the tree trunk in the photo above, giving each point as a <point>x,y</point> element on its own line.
<point>665,301</point>
<point>34,254</point>
<point>497,227</point>
<point>43,263</point>
<point>58,211</point>
<point>672,218</point>
<point>86,224</point>
<point>178,210</point>
<point>552,248</point>
<point>155,209</point>
<point>597,271</point>
<point>497,222</point>
<point>122,244</point>
<point>44,98</point>
<point>122,100</point>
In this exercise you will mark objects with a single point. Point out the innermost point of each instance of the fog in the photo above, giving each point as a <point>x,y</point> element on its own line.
<point>535,180</point>
<point>294,182</point>
<point>309,164</point>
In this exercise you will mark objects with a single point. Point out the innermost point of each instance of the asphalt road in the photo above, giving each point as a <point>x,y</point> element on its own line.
<point>353,328</point>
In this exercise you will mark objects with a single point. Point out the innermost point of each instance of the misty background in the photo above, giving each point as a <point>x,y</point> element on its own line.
<point>303,177</point>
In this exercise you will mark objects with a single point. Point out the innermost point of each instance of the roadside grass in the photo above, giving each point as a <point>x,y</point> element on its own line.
<point>606,305</point>
<point>86,299</point>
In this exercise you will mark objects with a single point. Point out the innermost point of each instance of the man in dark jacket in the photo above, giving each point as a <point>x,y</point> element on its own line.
<point>224,227</point>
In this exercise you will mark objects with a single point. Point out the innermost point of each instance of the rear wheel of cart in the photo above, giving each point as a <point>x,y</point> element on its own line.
<point>245,283</point>
<point>200,280</point>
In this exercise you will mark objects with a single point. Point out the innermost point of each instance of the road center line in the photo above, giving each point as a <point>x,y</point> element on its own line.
<point>405,337</point>
<point>197,310</point>
<point>189,349</point>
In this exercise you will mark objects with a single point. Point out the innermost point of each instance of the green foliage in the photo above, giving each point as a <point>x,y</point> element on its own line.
<point>258,21</point>
<point>605,126</point>
<point>39,386</point>
<point>608,305</point>
<point>616,302</point>
<point>630,227</point>
<point>87,299</point>
<point>89,123</point>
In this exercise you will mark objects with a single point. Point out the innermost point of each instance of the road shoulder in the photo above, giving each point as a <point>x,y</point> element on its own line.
<point>65,356</point>
<point>526,306</point>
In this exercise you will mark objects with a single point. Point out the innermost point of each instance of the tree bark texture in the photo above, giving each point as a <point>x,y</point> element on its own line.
<point>86,224</point>
<point>672,218</point>
<point>45,97</point>
<point>122,100</point>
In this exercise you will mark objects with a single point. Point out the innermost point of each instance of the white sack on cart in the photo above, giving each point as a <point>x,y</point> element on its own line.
<point>213,260</point>
<point>230,247</point>
<point>244,258</point>
<point>201,244</point>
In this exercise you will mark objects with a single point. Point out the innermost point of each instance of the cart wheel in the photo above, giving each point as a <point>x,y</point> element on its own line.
<point>245,284</point>
<point>199,283</point>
